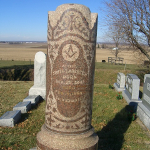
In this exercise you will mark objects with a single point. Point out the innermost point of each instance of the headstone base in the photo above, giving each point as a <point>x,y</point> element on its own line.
<point>34,90</point>
<point>47,140</point>
<point>10,118</point>
<point>34,99</point>
<point>23,106</point>
<point>144,115</point>
<point>117,88</point>
<point>128,99</point>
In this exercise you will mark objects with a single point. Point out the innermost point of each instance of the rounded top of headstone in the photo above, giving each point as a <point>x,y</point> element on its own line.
<point>40,57</point>
<point>73,5</point>
<point>65,7</point>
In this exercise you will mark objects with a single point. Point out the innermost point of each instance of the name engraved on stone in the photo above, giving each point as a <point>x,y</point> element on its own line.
<point>146,98</point>
<point>118,81</point>
<point>130,90</point>
<point>129,81</point>
<point>148,86</point>
<point>118,76</point>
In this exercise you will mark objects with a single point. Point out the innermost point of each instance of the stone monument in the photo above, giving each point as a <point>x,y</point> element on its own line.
<point>120,84</point>
<point>39,87</point>
<point>72,31</point>
<point>131,92</point>
<point>143,109</point>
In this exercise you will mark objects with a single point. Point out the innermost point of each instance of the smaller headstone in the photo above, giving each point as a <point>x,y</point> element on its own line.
<point>131,92</point>
<point>10,118</point>
<point>23,106</point>
<point>120,84</point>
<point>34,99</point>
<point>39,87</point>
<point>143,109</point>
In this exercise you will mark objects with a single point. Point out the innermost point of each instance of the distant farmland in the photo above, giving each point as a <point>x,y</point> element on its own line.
<point>27,51</point>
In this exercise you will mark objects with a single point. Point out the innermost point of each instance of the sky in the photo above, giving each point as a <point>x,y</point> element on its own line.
<point>26,20</point>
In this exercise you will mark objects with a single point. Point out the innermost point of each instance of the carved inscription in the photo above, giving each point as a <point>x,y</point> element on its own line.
<point>146,98</point>
<point>148,86</point>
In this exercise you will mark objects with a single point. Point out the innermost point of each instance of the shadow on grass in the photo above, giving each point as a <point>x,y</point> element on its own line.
<point>17,73</point>
<point>111,137</point>
<point>18,67</point>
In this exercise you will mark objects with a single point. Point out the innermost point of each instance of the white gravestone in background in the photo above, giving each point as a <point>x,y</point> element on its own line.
<point>131,92</point>
<point>143,109</point>
<point>39,87</point>
<point>120,84</point>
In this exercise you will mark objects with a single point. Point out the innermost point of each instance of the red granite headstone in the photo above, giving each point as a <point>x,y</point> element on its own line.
<point>72,31</point>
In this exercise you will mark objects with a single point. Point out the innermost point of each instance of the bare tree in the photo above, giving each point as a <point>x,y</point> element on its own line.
<point>133,18</point>
<point>116,35</point>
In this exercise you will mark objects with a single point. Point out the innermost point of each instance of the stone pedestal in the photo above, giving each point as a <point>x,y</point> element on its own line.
<point>72,31</point>
<point>55,141</point>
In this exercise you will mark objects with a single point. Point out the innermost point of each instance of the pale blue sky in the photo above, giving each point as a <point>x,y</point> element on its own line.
<point>26,20</point>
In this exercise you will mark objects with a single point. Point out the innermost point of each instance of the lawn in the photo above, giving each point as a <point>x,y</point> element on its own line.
<point>13,64</point>
<point>109,117</point>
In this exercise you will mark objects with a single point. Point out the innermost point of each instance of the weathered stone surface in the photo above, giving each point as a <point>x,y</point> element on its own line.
<point>84,141</point>
<point>144,114</point>
<point>39,87</point>
<point>10,118</point>
<point>120,84</point>
<point>34,99</point>
<point>72,31</point>
<point>143,110</point>
<point>131,92</point>
<point>23,106</point>
<point>34,90</point>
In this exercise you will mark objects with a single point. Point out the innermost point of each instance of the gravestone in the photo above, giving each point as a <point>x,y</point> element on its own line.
<point>143,109</point>
<point>39,87</point>
<point>131,92</point>
<point>23,106</point>
<point>120,84</point>
<point>72,31</point>
<point>10,118</point>
<point>34,99</point>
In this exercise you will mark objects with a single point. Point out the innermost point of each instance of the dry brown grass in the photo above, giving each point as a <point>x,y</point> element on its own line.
<point>27,51</point>
<point>24,51</point>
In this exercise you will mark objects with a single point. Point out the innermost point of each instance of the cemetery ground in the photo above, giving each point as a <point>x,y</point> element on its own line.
<point>109,119</point>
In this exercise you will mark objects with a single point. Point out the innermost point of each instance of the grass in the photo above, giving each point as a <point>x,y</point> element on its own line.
<point>109,117</point>
<point>23,135</point>
<point>5,64</point>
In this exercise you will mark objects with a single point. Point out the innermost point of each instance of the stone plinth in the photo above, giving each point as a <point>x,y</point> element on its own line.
<point>72,31</point>
<point>120,84</point>
<point>10,118</point>
<point>34,99</point>
<point>23,106</point>
<point>39,87</point>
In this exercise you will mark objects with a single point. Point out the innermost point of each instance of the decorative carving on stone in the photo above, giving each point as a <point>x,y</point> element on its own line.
<point>71,38</point>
